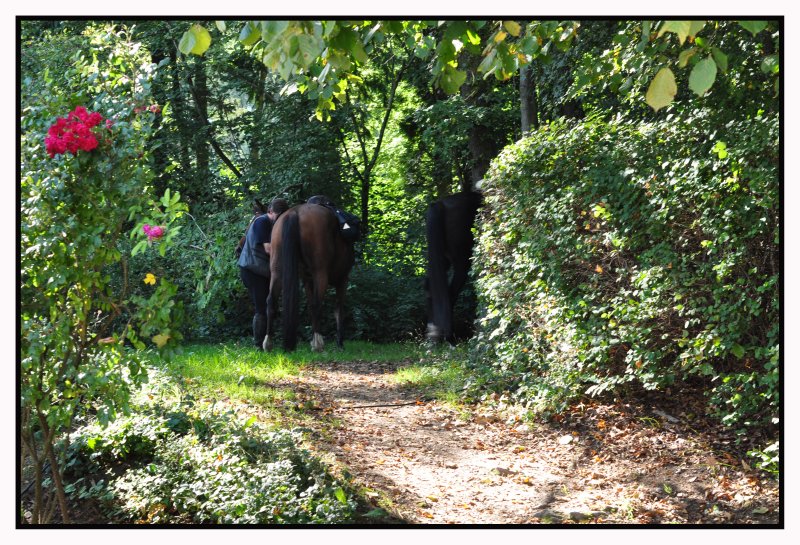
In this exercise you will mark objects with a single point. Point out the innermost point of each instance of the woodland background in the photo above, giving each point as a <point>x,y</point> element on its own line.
<point>630,238</point>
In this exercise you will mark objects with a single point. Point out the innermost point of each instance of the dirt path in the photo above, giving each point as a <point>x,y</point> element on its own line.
<point>620,463</point>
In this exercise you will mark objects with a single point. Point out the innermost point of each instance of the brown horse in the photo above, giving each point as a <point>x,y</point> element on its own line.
<point>306,243</point>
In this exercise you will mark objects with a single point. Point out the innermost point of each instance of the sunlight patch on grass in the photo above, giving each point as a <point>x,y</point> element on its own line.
<point>238,372</point>
<point>241,372</point>
<point>443,381</point>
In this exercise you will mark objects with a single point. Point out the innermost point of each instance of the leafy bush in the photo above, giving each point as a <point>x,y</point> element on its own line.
<point>383,306</point>
<point>647,252</point>
<point>85,186</point>
<point>181,460</point>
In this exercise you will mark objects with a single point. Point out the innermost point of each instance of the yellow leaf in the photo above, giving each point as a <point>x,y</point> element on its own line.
<point>661,90</point>
<point>500,36</point>
<point>160,340</point>
<point>512,27</point>
<point>681,28</point>
<point>598,269</point>
<point>202,39</point>
<point>150,279</point>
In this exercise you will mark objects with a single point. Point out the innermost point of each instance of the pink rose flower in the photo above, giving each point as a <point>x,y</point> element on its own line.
<point>153,232</point>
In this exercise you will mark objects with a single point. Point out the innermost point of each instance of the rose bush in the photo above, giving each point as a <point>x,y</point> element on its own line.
<point>81,193</point>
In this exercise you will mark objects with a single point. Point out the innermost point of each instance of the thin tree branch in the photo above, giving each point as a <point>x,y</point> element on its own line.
<point>350,161</point>
<point>388,113</point>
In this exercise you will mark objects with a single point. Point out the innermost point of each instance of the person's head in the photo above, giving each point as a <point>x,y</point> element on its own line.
<point>277,207</point>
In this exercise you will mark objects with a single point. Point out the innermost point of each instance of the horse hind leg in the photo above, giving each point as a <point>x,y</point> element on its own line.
<point>320,286</point>
<point>314,309</point>
<point>460,274</point>
<point>338,313</point>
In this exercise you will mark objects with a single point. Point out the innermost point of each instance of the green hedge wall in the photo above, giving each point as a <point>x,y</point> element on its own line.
<point>612,252</point>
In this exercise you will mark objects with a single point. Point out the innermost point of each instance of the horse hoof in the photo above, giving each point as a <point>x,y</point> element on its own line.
<point>434,334</point>
<point>267,346</point>
<point>317,343</point>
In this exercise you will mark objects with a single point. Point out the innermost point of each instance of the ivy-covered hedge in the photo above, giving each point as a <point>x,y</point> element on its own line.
<point>612,252</point>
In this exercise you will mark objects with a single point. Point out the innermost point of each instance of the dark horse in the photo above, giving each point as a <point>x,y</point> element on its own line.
<point>306,243</point>
<point>448,224</point>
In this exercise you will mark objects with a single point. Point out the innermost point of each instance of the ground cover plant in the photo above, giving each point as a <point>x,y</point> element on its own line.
<point>181,459</point>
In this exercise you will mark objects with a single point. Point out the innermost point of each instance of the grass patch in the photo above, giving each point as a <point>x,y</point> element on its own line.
<point>440,374</point>
<point>239,371</point>
<point>236,371</point>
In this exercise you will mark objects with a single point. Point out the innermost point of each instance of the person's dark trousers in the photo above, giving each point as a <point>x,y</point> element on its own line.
<point>258,286</point>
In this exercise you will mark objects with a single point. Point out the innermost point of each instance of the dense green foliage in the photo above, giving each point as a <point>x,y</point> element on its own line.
<point>649,253</point>
<point>81,209</point>
<point>182,460</point>
<point>635,244</point>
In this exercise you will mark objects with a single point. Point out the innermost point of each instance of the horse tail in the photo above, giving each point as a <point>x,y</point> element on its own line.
<point>290,247</point>
<point>437,272</point>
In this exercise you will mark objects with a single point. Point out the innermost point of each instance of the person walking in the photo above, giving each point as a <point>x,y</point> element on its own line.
<point>254,265</point>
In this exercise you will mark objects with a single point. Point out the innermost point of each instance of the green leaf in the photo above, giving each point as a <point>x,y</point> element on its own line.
<point>452,79</point>
<point>770,64</point>
<point>340,495</point>
<point>187,42</point>
<point>683,58</point>
<point>662,89</point>
<point>681,28</point>
<point>345,39</point>
<point>272,29</point>
<point>737,350</point>
<point>221,26</point>
<point>647,28</point>
<point>309,49</point>
<point>250,421</point>
<point>754,27</point>
<point>160,340</point>
<point>721,149</point>
<point>720,58</point>
<point>703,75</point>
<point>473,38</point>
<point>487,64</point>
<point>695,27</point>
<point>250,33</point>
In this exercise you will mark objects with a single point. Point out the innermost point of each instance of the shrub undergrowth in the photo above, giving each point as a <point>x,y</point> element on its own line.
<point>181,459</point>
<point>613,252</point>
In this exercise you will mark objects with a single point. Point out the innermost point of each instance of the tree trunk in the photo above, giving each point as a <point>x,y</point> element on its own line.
<point>529,107</point>
<point>261,100</point>
<point>370,159</point>
<point>202,154</point>
<point>483,146</point>
<point>442,174</point>
<point>180,109</point>
<point>483,149</point>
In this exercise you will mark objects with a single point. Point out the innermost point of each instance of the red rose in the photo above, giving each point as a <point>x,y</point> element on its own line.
<point>73,133</point>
